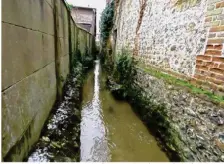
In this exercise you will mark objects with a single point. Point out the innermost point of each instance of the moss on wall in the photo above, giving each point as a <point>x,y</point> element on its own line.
<point>49,40</point>
<point>160,99</point>
<point>183,83</point>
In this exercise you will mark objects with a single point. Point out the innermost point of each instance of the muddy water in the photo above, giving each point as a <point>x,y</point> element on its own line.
<point>110,130</point>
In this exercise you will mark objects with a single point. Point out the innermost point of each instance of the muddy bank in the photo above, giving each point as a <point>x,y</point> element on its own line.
<point>193,124</point>
<point>188,127</point>
<point>152,116</point>
<point>60,137</point>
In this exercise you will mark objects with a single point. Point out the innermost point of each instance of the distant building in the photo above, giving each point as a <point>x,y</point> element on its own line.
<point>85,17</point>
<point>97,37</point>
<point>108,1</point>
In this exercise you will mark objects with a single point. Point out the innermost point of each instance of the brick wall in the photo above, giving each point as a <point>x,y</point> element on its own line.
<point>210,65</point>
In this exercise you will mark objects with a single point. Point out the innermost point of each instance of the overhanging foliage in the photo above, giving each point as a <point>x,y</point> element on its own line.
<point>106,23</point>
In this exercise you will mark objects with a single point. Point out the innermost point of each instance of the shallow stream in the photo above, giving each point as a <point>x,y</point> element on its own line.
<point>110,130</point>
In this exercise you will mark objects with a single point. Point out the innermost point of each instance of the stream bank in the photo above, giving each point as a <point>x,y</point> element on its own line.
<point>189,127</point>
<point>60,137</point>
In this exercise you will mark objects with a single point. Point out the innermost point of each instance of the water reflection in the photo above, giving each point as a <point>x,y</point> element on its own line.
<point>93,132</point>
<point>110,130</point>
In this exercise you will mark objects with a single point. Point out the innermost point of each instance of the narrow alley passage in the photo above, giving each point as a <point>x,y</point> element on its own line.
<point>112,81</point>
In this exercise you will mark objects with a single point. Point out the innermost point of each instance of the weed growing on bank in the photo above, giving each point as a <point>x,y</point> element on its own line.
<point>83,60</point>
<point>106,23</point>
<point>121,82</point>
<point>123,73</point>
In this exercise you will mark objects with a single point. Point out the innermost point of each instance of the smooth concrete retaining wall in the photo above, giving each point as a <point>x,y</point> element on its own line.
<point>39,39</point>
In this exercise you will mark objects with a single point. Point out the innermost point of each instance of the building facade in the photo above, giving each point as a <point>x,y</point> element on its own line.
<point>85,17</point>
<point>108,1</point>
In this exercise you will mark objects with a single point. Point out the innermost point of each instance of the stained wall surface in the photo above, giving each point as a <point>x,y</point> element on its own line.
<point>173,35</point>
<point>31,44</point>
<point>196,124</point>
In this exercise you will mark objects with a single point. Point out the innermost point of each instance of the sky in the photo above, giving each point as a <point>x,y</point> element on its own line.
<point>98,4</point>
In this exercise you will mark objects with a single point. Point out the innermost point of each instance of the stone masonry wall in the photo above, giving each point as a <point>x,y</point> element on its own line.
<point>198,123</point>
<point>183,38</point>
<point>37,47</point>
<point>173,35</point>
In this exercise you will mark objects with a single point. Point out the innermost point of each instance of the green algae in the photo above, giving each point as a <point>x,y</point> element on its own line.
<point>183,83</point>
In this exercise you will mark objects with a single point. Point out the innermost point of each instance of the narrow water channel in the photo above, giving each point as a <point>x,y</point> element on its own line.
<point>110,130</point>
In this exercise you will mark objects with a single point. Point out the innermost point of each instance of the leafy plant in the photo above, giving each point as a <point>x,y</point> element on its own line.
<point>83,60</point>
<point>68,5</point>
<point>106,23</point>
<point>124,71</point>
<point>87,59</point>
<point>107,60</point>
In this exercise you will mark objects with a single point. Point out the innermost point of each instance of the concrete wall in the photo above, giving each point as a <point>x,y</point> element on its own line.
<point>37,47</point>
<point>173,34</point>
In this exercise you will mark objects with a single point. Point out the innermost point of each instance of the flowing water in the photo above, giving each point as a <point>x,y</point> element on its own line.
<point>110,130</point>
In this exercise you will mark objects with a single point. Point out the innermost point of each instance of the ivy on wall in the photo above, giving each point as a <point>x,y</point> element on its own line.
<point>106,23</point>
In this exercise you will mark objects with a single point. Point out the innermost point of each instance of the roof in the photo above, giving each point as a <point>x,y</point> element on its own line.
<point>82,7</point>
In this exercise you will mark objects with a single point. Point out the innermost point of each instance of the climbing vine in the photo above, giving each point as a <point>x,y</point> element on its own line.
<point>106,23</point>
